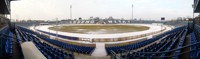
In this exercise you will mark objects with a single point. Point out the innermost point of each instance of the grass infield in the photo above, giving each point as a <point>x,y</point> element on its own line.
<point>100,29</point>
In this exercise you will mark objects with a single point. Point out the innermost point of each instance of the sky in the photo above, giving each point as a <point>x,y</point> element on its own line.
<point>144,9</point>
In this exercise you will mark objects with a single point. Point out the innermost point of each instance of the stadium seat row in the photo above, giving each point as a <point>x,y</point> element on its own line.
<point>62,36</point>
<point>70,47</point>
<point>120,49</point>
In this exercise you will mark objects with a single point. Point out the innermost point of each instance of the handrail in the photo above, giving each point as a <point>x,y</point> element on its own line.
<point>166,51</point>
<point>170,55</point>
<point>170,50</point>
<point>195,44</point>
<point>113,53</point>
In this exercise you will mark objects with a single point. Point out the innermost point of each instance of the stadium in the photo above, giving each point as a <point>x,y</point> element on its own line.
<point>99,38</point>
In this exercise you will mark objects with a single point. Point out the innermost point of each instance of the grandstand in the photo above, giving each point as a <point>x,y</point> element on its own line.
<point>22,41</point>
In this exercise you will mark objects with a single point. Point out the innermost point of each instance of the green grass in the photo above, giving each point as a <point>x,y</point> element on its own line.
<point>101,29</point>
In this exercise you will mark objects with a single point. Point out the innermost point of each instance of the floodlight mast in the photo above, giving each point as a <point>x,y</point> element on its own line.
<point>132,11</point>
<point>71,12</point>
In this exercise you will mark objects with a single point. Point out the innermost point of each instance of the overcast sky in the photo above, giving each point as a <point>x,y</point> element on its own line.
<point>144,9</point>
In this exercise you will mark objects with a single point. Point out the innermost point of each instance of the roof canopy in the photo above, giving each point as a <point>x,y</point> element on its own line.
<point>196,6</point>
<point>5,6</point>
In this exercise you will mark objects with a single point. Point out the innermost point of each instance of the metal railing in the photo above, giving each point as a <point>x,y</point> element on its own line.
<point>115,56</point>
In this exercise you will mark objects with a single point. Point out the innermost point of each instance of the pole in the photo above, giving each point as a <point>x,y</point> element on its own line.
<point>56,27</point>
<point>71,12</point>
<point>193,20</point>
<point>11,25</point>
<point>132,11</point>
